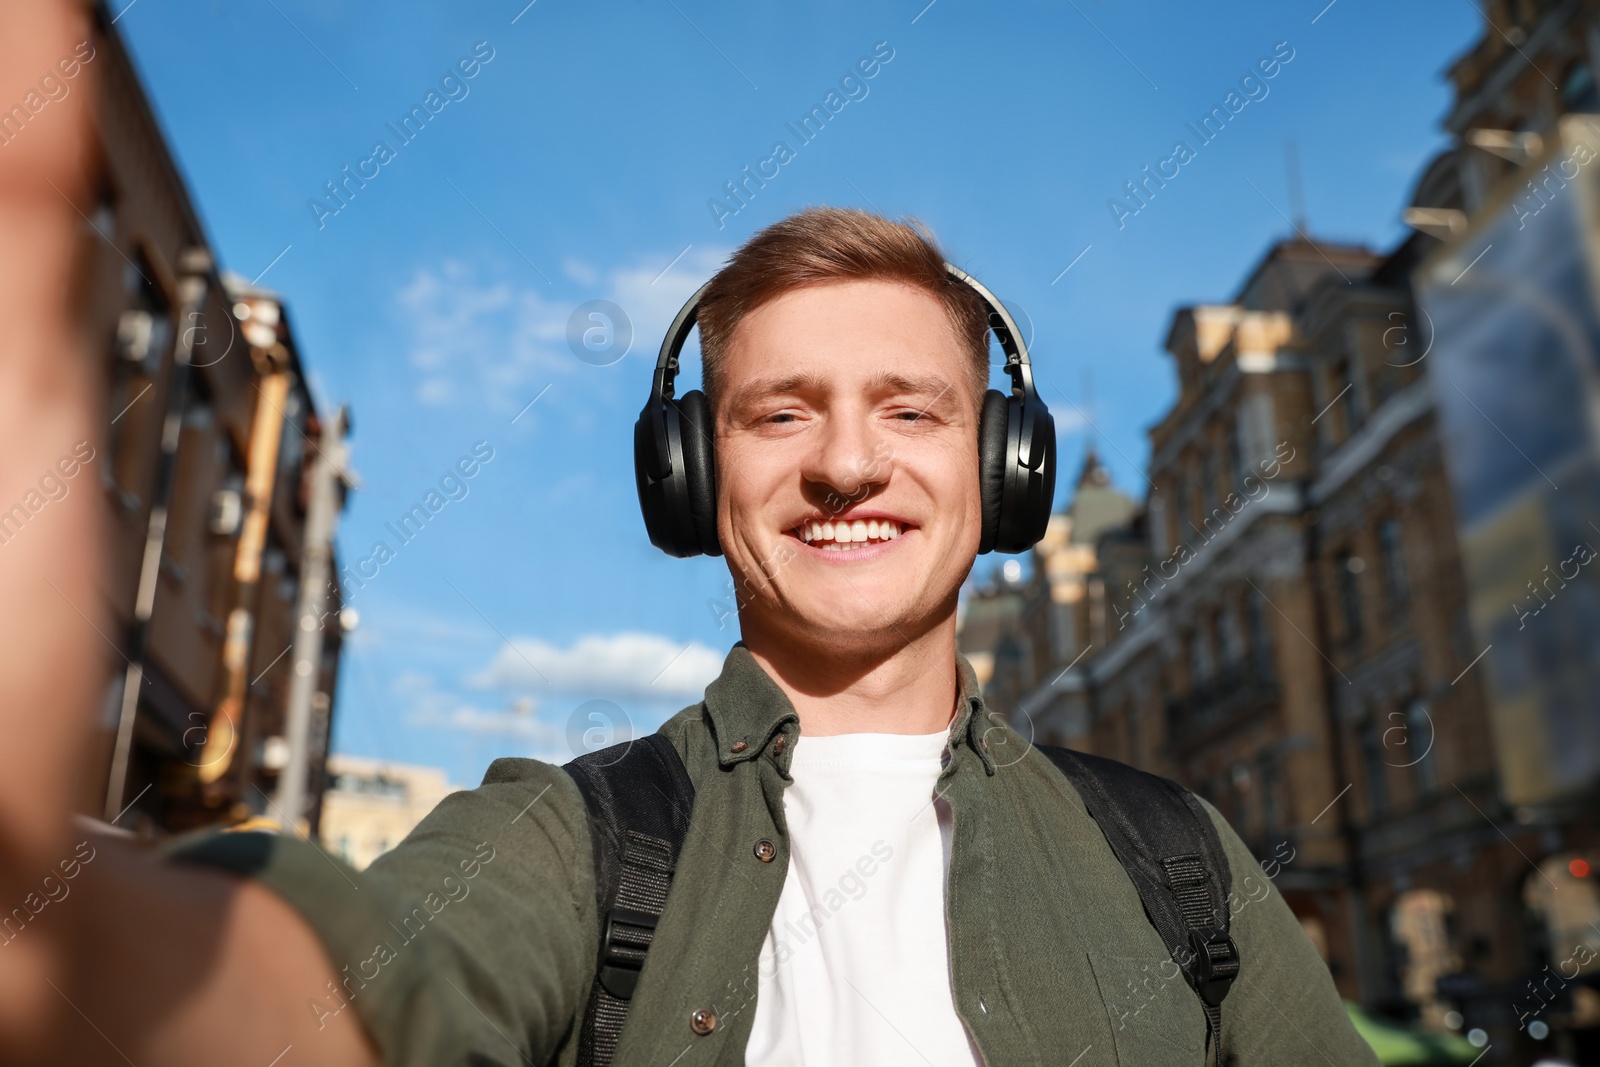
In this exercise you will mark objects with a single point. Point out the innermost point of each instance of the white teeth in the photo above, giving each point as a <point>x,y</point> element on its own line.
<point>845,536</point>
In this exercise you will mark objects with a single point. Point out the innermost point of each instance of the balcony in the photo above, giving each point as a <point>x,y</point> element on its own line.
<point>1219,703</point>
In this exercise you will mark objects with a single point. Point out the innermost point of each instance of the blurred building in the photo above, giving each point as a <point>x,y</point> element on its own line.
<point>1356,610</point>
<point>1013,628</point>
<point>210,436</point>
<point>371,805</point>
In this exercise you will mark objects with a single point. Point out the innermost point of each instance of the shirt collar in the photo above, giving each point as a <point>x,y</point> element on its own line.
<point>973,722</point>
<point>748,711</point>
<point>746,708</point>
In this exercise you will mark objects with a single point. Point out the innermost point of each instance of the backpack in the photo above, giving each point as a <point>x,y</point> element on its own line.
<point>640,797</point>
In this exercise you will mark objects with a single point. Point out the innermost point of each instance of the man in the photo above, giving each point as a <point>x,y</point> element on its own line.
<point>877,870</point>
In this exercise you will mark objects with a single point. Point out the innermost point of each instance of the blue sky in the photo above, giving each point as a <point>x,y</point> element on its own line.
<point>579,162</point>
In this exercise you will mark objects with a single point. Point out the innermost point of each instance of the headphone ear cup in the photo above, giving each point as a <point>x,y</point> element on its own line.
<point>652,492</point>
<point>992,433</point>
<point>1025,507</point>
<point>658,471</point>
<point>700,469</point>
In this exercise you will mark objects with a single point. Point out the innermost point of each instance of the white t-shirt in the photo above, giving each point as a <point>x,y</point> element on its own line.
<point>855,968</point>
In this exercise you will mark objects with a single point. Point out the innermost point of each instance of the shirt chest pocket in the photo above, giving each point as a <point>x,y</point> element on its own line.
<point>1155,1018</point>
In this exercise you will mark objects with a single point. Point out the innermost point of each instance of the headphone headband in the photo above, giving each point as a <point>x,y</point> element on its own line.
<point>1001,324</point>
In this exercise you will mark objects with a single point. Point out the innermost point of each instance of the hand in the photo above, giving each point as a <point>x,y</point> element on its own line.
<point>51,658</point>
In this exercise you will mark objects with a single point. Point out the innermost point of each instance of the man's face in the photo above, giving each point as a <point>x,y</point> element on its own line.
<point>847,409</point>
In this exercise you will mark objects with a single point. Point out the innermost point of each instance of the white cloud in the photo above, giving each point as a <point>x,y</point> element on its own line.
<point>489,341</point>
<point>397,624</point>
<point>629,664</point>
<point>651,297</point>
<point>580,272</point>
<point>430,706</point>
<point>473,339</point>
<point>468,719</point>
<point>1069,418</point>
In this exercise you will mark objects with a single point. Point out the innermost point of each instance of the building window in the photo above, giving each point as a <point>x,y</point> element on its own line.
<point>292,440</point>
<point>1063,634</point>
<point>1347,573</point>
<point>1419,744</point>
<point>1236,467</point>
<point>1271,802</point>
<point>1133,735</point>
<point>1199,656</point>
<point>1375,770</point>
<point>1349,396</point>
<point>1182,516</point>
<point>1210,476</point>
<point>1260,636</point>
<point>1160,544</point>
<point>1394,564</point>
<point>1257,429</point>
<point>1578,92</point>
<point>143,339</point>
<point>1229,640</point>
<point>144,331</point>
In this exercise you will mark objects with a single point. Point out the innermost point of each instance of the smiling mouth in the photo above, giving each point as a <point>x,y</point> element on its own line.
<point>848,536</point>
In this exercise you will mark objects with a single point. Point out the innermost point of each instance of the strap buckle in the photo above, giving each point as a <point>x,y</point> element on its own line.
<point>1216,964</point>
<point>623,948</point>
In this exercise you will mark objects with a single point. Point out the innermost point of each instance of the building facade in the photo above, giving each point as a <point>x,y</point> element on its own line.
<point>210,431</point>
<point>1303,618</point>
<point>371,805</point>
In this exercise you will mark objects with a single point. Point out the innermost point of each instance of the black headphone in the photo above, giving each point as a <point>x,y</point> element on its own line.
<point>677,477</point>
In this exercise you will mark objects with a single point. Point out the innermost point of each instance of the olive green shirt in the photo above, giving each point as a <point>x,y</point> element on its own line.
<point>475,940</point>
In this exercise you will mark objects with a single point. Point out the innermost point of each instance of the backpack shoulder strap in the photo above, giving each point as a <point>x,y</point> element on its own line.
<point>639,799</point>
<point>1168,845</point>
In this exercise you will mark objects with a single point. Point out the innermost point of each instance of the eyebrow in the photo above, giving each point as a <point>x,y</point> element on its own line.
<point>890,382</point>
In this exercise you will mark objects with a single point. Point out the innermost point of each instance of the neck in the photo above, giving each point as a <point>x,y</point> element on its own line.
<point>910,687</point>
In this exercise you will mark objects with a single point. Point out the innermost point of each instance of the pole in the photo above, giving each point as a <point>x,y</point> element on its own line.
<point>329,478</point>
<point>197,269</point>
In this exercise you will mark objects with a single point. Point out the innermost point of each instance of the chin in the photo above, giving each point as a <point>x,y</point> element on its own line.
<point>865,640</point>
<point>867,619</point>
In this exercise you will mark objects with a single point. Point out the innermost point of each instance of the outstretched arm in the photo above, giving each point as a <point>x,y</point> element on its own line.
<point>173,965</point>
<point>177,964</point>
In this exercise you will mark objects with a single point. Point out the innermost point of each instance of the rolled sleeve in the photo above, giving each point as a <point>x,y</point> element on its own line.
<point>472,941</point>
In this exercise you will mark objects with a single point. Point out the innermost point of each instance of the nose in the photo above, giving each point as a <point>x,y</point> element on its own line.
<point>848,462</point>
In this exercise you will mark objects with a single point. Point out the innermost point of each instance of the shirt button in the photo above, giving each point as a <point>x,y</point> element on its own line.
<point>702,1021</point>
<point>739,746</point>
<point>777,746</point>
<point>765,850</point>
